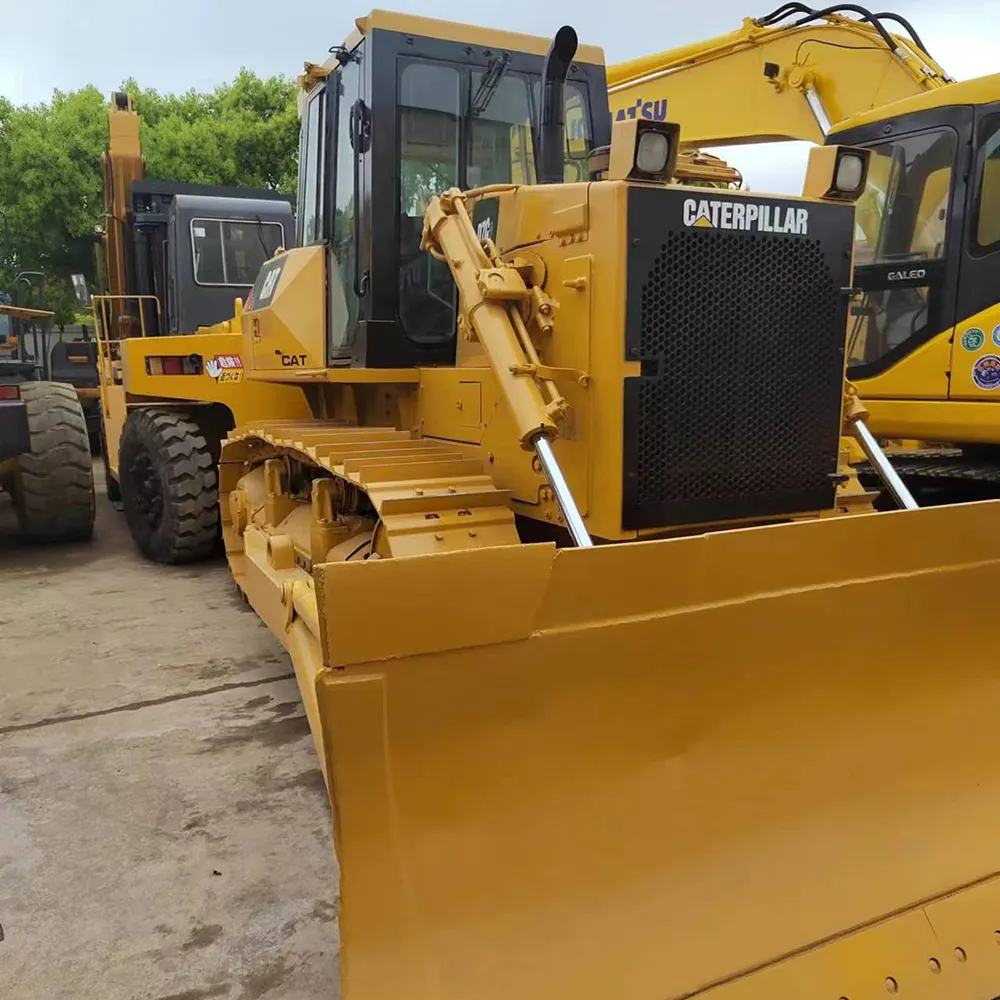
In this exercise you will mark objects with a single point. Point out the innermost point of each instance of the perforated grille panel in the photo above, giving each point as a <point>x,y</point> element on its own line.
<point>741,338</point>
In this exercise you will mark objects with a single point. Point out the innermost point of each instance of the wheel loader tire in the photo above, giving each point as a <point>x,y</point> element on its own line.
<point>169,486</point>
<point>53,482</point>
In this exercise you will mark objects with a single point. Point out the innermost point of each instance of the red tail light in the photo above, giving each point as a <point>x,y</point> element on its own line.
<point>9,392</point>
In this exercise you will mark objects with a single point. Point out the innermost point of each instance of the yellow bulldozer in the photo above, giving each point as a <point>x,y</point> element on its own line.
<point>565,565</point>
<point>924,349</point>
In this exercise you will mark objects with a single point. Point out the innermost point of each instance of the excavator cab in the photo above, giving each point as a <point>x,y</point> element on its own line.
<point>928,257</point>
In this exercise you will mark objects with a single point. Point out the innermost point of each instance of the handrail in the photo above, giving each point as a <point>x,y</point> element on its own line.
<point>103,310</point>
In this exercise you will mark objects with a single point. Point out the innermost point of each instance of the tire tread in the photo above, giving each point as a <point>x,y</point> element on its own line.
<point>189,528</point>
<point>54,480</point>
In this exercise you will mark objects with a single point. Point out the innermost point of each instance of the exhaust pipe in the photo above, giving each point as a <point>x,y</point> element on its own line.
<point>552,127</point>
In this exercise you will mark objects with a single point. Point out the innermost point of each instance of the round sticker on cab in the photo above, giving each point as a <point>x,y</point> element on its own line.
<point>986,372</point>
<point>996,335</point>
<point>973,339</point>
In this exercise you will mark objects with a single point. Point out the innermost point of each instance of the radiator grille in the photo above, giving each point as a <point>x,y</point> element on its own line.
<point>741,337</point>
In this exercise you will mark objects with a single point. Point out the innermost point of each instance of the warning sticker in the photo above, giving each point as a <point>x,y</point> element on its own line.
<point>973,339</point>
<point>986,372</point>
<point>225,368</point>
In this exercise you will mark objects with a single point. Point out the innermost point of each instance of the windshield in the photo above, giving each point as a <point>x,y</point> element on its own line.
<point>902,215</point>
<point>900,225</point>
<point>465,127</point>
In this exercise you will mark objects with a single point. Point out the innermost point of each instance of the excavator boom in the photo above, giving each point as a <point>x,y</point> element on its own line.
<point>789,75</point>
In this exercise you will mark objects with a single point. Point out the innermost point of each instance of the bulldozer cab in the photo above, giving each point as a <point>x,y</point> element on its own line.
<point>464,111</point>
<point>928,253</point>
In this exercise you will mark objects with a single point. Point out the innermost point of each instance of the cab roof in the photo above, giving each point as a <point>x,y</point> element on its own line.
<point>449,31</point>
<point>982,90</point>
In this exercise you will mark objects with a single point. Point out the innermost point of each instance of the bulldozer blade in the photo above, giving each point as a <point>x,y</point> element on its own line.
<point>761,762</point>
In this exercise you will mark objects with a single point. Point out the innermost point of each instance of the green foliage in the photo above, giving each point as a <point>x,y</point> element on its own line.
<point>243,134</point>
<point>420,181</point>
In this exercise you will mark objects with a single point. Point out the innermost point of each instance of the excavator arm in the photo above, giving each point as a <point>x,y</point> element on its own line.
<point>791,74</point>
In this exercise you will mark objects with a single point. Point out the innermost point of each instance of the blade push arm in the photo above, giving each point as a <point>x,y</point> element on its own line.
<point>489,294</point>
<point>789,75</point>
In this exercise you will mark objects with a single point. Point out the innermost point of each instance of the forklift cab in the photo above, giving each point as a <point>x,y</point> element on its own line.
<point>197,248</point>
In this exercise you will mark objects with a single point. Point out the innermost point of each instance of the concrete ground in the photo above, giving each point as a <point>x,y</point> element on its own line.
<point>164,829</point>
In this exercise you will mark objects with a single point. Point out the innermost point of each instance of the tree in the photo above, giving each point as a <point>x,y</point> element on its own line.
<point>50,190</point>
<point>243,134</point>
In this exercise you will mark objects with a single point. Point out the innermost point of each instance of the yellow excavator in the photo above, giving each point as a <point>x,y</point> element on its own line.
<point>924,349</point>
<point>578,741</point>
<point>794,73</point>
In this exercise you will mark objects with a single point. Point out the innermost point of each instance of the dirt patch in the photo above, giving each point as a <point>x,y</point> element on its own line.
<point>202,937</point>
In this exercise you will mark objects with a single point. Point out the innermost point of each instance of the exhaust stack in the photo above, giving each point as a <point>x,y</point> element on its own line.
<point>552,127</point>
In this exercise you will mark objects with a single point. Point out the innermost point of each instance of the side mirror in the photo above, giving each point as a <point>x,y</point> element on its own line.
<point>80,290</point>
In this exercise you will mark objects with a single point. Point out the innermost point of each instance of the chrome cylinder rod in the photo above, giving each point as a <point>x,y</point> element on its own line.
<point>819,112</point>
<point>883,466</point>
<point>560,488</point>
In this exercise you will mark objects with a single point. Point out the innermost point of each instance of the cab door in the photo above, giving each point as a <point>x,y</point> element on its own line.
<point>346,177</point>
<point>908,250</point>
<point>976,346</point>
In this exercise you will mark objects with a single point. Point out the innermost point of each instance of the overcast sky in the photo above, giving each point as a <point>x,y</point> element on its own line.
<point>174,45</point>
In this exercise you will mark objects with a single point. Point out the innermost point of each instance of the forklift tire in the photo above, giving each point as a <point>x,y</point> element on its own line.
<point>169,486</point>
<point>53,482</point>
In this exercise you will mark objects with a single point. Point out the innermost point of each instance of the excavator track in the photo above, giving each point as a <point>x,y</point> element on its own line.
<point>949,471</point>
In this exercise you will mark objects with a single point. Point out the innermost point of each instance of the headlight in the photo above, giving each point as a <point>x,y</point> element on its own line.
<point>850,172</point>
<point>643,151</point>
<point>653,152</point>
<point>836,173</point>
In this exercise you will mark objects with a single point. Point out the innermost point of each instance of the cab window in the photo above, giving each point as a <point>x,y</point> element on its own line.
<point>500,148</point>
<point>429,103</point>
<point>466,128</point>
<point>903,212</point>
<point>343,275</point>
<point>901,224</point>
<point>579,136</point>
<point>231,252</point>
<point>988,221</point>
<point>311,177</point>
